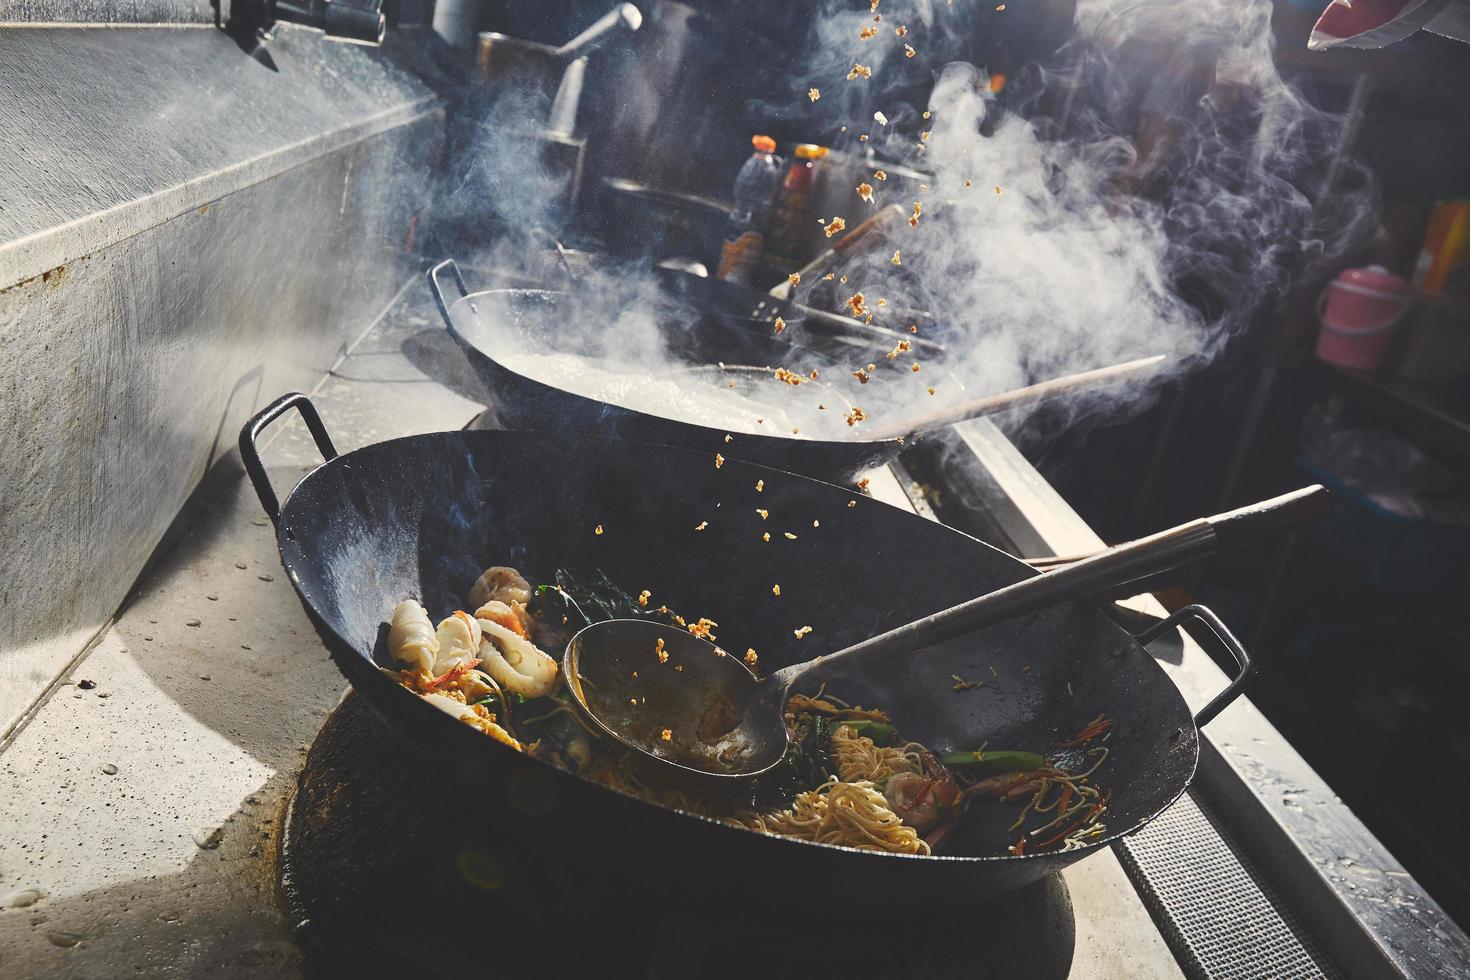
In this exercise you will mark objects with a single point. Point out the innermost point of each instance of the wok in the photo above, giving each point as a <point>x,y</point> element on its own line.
<point>421,515</point>
<point>485,323</point>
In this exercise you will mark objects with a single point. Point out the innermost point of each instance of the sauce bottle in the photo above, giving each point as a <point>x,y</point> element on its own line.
<point>787,249</point>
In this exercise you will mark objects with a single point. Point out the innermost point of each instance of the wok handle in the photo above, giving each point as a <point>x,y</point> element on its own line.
<point>1224,637</point>
<point>250,453</point>
<point>453,268</point>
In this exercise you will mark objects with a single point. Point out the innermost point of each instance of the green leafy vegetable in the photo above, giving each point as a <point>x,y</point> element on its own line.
<point>876,730</point>
<point>997,761</point>
<point>585,596</point>
<point>807,763</point>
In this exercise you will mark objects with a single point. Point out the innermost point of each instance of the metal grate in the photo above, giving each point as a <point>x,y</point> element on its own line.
<point>1217,912</point>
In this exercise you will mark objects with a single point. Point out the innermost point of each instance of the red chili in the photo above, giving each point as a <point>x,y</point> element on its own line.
<point>1094,728</point>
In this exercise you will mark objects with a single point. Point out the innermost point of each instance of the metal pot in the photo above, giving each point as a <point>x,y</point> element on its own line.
<point>517,156</point>
<point>545,82</point>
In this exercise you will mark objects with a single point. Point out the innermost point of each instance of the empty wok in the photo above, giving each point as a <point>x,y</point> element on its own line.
<point>421,516</point>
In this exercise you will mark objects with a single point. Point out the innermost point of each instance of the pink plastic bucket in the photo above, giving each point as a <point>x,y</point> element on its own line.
<point>1358,312</point>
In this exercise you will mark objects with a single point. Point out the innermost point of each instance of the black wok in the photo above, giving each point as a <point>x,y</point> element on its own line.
<point>420,516</point>
<point>485,324</point>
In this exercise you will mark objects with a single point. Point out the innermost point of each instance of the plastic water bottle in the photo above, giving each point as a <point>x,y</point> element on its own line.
<point>755,197</point>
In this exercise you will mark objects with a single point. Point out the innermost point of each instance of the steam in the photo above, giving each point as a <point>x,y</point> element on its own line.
<point>1051,242</point>
<point>1150,187</point>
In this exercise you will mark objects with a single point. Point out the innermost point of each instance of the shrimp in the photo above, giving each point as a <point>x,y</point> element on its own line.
<point>478,685</point>
<point>515,662</point>
<point>922,802</point>
<point>501,583</point>
<point>411,638</point>
<point>509,616</point>
<point>458,639</point>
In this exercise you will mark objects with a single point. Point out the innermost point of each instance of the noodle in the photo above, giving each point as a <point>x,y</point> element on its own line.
<point>842,813</point>
<point>859,759</point>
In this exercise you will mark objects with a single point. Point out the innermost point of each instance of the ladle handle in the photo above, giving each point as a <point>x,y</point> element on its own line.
<point>1105,571</point>
<point>624,16</point>
<point>250,452</point>
<point>1017,398</point>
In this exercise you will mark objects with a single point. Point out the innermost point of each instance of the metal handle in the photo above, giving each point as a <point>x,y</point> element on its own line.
<point>1117,566</point>
<point>623,17</point>
<point>353,21</point>
<point>1242,526</point>
<point>438,290</point>
<point>251,454</point>
<point>1226,639</point>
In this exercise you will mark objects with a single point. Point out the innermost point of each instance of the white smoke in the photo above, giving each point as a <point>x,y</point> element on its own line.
<point>1154,186</point>
<point>1150,187</point>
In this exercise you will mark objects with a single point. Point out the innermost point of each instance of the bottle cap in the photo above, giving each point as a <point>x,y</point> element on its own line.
<point>1374,278</point>
<point>810,151</point>
<point>763,143</point>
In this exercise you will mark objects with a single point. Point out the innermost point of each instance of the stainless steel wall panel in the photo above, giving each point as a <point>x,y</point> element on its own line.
<point>104,133</point>
<point>126,371</point>
<point>108,11</point>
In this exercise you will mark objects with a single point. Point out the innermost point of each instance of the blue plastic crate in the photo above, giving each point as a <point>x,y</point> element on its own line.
<point>1403,554</point>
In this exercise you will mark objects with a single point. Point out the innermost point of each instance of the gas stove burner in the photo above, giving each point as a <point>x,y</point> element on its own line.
<point>390,865</point>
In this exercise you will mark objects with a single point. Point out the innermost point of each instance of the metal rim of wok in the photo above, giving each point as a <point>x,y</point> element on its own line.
<point>525,402</point>
<point>349,495</point>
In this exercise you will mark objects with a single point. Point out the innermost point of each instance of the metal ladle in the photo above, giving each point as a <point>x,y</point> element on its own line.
<point>714,717</point>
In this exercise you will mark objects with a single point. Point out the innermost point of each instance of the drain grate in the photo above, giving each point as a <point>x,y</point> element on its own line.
<point>1219,915</point>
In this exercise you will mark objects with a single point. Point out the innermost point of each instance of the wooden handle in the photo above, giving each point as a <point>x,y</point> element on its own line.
<point>1270,517</point>
<point>880,220</point>
<point>1030,395</point>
